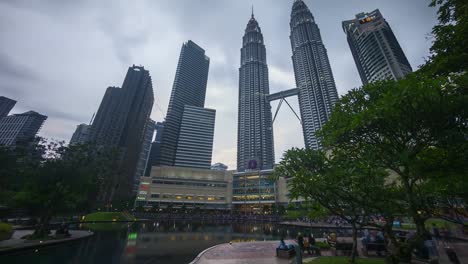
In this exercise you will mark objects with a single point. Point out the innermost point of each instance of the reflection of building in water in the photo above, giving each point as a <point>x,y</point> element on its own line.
<point>256,191</point>
<point>179,187</point>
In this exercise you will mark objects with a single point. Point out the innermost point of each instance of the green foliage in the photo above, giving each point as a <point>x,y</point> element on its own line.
<point>449,51</point>
<point>5,228</point>
<point>322,245</point>
<point>50,178</point>
<point>414,127</point>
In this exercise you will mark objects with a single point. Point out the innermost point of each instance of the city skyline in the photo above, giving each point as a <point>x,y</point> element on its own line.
<point>81,97</point>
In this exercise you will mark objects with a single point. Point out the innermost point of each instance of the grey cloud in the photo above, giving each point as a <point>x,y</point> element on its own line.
<point>83,46</point>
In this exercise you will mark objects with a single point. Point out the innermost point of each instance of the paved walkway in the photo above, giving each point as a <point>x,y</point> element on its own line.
<point>243,253</point>
<point>16,243</point>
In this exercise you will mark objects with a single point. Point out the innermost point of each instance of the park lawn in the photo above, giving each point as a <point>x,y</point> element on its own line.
<point>108,216</point>
<point>438,222</point>
<point>344,260</point>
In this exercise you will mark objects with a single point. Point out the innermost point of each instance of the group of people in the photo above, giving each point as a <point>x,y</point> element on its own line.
<point>307,243</point>
<point>376,238</point>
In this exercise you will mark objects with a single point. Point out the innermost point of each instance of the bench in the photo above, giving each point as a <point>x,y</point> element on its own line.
<point>285,253</point>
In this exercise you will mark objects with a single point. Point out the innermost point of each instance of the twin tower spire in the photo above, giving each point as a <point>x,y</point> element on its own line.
<point>314,80</point>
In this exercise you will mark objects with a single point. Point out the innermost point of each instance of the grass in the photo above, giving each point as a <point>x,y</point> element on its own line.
<point>5,231</point>
<point>344,260</point>
<point>440,223</point>
<point>108,216</point>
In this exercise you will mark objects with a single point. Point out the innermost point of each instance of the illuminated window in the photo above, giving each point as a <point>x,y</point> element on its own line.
<point>201,198</point>
<point>189,197</point>
<point>211,198</point>
<point>178,197</point>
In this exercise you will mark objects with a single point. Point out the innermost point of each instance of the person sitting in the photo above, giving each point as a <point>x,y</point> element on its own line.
<point>284,247</point>
<point>282,244</point>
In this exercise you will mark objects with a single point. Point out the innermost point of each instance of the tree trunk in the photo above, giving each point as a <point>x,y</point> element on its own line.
<point>394,250</point>
<point>354,250</point>
<point>42,230</point>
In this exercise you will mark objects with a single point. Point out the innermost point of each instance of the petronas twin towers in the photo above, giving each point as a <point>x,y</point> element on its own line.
<point>314,79</point>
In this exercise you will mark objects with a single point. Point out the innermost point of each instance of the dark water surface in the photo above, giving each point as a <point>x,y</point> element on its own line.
<point>154,242</point>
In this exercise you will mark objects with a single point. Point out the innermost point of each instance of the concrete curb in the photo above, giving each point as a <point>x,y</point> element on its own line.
<point>26,247</point>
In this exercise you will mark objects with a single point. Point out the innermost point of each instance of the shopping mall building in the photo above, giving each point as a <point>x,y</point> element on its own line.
<point>254,192</point>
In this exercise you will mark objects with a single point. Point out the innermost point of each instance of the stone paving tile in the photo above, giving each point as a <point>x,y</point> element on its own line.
<point>244,253</point>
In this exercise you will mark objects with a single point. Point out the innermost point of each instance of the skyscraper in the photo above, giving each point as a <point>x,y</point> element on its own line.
<point>314,78</point>
<point>81,134</point>
<point>195,143</point>
<point>20,128</point>
<point>189,88</point>
<point>154,158</point>
<point>375,49</point>
<point>144,153</point>
<point>254,129</point>
<point>103,130</point>
<point>121,121</point>
<point>6,104</point>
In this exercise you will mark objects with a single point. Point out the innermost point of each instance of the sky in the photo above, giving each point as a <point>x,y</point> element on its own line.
<point>57,57</point>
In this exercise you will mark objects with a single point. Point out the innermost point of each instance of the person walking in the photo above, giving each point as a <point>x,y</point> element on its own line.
<point>300,241</point>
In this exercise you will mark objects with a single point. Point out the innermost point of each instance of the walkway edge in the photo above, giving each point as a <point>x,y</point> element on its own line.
<point>195,260</point>
<point>47,243</point>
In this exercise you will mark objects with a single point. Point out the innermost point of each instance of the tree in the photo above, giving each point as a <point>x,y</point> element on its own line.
<point>64,179</point>
<point>415,128</point>
<point>449,51</point>
<point>335,184</point>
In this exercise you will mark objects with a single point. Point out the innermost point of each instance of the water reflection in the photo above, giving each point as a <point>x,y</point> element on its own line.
<point>156,242</point>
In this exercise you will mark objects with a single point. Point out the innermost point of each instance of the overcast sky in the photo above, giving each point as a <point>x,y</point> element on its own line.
<point>57,57</point>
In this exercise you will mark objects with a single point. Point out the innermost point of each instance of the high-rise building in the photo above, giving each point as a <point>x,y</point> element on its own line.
<point>144,153</point>
<point>376,51</point>
<point>189,88</point>
<point>195,143</point>
<point>254,130</point>
<point>121,123</point>
<point>154,158</point>
<point>103,131</point>
<point>81,134</point>
<point>314,78</point>
<point>6,104</point>
<point>20,128</point>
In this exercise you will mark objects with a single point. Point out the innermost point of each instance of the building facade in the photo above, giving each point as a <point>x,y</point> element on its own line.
<point>189,88</point>
<point>255,127</point>
<point>314,78</point>
<point>178,187</point>
<point>154,158</point>
<point>81,134</point>
<point>219,166</point>
<point>6,104</point>
<point>255,192</point>
<point>144,153</point>
<point>104,130</point>
<point>375,49</point>
<point>20,128</point>
<point>195,144</point>
<point>120,123</point>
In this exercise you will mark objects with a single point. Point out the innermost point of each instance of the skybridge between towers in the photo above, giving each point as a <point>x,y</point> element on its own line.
<point>282,95</point>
